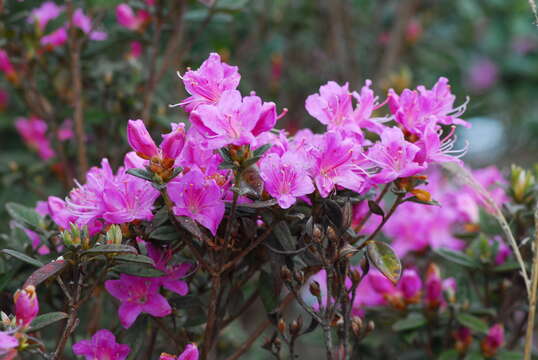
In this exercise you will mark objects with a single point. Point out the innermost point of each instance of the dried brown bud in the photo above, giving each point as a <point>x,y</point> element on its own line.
<point>356,325</point>
<point>317,234</point>
<point>285,273</point>
<point>299,277</point>
<point>315,289</point>
<point>281,326</point>
<point>355,277</point>
<point>365,266</point>
<point>296,326</point>
<point>370,326</point>
<point>331,234</point>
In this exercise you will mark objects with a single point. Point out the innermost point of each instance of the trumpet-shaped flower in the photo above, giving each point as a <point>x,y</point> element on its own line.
<point>285,178</point>
<point>102,346</point>
<point>173,280</point>
<point>137,295</point>
<point>199,198</point>
<point>207,84</point>
<point>56,38</point>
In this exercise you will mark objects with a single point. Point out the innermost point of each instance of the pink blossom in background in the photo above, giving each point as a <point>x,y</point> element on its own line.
<point>285,178</point>
<point>102,346</point>
<point>206,84</point>
<point>43,14</point>
<point>493,341</point>
<point>26,305</point>
<point>173,280</point>
<point>199,198</point>
<point>8,343</point>
<point>84,23</point>
<point>5,65</point>
<point>34,133</point>
<point>137,295</point>
<point>127,18</point>
<point>482,74</point>
<point>65,132</point>
<point>135,49</point>
<point>57,38</point>
<point>190,353</point>
<point>141,141</point>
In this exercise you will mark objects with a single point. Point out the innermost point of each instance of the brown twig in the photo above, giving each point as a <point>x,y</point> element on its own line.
<point>532,299</point>
<point>211,329</point>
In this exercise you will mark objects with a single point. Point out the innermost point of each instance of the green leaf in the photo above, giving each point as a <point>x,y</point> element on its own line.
<point>45,272</point>
<point>458,258</point>
<point>137,269</point>
<point>46,319</point>
<point>385,260</point>
<point>110,249</point>
<point>412,321</point>
<point>165,233</point>
<point>141,259</point>
<point>266,289</point>
<point>509,355</point>
<point>258,153</point>
<point>507,267</point>
<point>449,355</point>
<point>283,235</point>
<point>141,173</point>
<point>225,154</point>
<point>474,356</point>
<point>472,322</point>
<point>25,216</point>
<point>23,257</point>
<point>191,226</point>
<point>375,208</point>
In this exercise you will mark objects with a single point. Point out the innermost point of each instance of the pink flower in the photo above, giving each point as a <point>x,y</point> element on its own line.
<point>198,198</point>
<point>128,19</point>
<point>335,163</point>
<point>285,178</point>
<point>8,343</point>
<point>58,211</point>
<point>433,149</point>
<point>434,287</point>
<point>43,14</point>
<point>141,141</point>
<point>482,74</point>
<point>233,120</point>
<point>6,66</point>
<point>410,284</point>
<point>394,156</point>
<point>493,341</point>
<point>84,23</point>
<point>102,346</point>
<point>190,353</point>
<point>26,305</point>
<point>57,38</point>
<point>34,134</point>
<point>173,280</point>
<point>65,132</point>
<point>135,50</point>
<point>208,82</point>
<point>137,295</point>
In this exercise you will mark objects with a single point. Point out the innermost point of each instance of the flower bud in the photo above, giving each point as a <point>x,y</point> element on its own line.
<point>463,339</point>
<point>356,325</point>
<point>370,326</point>
<point>493,341</point>
<point>281,326</point>
<point>299,277</point>
<point>26,305</point>
<point>67,239</point>
<point>355,276</point>
<point>522,183</point>
<point>140,139</point>
<point>114,235</point>
<point>434,290</point>
<point>315,289</point>
<point>173,142</point>
<point>285,273</point>
<point>410,285</point>
<point>449,288</point>
<point>296,326</point>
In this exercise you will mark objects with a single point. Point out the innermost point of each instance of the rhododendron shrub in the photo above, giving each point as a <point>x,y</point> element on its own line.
<point>358,228</point>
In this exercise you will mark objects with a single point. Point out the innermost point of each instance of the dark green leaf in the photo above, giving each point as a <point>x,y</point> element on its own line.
<point>141,173</point>
<point>333,212</point>
<point>375,208</point>
<point>507,267</point>
<point>385,260</point>
<point>509,355</point>
<point>137,269</point>
<point>160,217</point>
<point>45,272</point>
<point>225,154</point>
<point>165,233</point>
<point>110,249</point>
<point>191,226</point>
<point>472,322</point>
<point>283,235</point>
<point>25,216</point>
<point>458,258</point>
<point>412,321</point>
<point>266,288</point>
<point>142,259</point>
<point>45,320</point>
<point>258,204</point>
<point>417,200</point>
<point>258,153</point>
<point>449,355</point>
<point>23,257</point>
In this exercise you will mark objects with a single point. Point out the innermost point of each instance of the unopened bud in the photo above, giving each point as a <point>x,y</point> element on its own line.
<point>356,325</point>
<point>285,274</point>
<point>75,234</point>
<point>522,182</point>
<point>67,239</point>
<point>370,326</point>
<point>331,234</point>
<point>315,289</point>
<point>114,235</point>
<point>299,277</point>
<point>365,265</point>
<point>355,276</point>
<point>26,305</point>
<point>317,234</point>
<point>281,326</point>
<point>296,326</point>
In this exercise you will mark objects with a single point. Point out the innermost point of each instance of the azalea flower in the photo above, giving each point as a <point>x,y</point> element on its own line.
<point>102,346</point>
<point>197,198</point>
<point>140,140</point>
<point>127,18</point>
<point>190,353</point>
<point>8,343</point>
<point>34,133</point>
<point>493,341</point>
<point>46,12</point>
<point>26,305</point>
<point>56,38</point>
<point>137,295</point>
<point>173,280</point>
<point>84,23</point>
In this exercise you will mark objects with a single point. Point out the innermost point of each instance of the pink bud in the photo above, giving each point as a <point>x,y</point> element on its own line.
<point>135,50</point>
<point>56,38</point>
<point>173,142</point>
<point>6,66</point>
<point>26,305</point>
<point>140,139</point>
<point>126,17</point>
<point>190,353</point>
<point>434,289</point>
<point>493,341</point>
<point>410,285</point>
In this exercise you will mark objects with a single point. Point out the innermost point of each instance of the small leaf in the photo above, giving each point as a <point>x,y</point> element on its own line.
<point>141,173</point>
<point>23,257</point>
<point>225,154</point>
<point>458,258</point>
<point>45,272</point>
<point>110,249</point>
<point>141,259</point>
<point>509,355</point>
<point>472,322</point>
<point>375,208</point>
<point>417,200</point>
<point>412,321</point>
<point>347,215</point>
<point>160,217</point>
<point>25,216</point>
<point>137,269</point>
<point>258,204</point>
<point>449,355</point>
<point>45,320</point>
<point>283,235</point>
<point>165,233</point>
<point>258,153</point>
<point>267,291</point>
<point>385,260</point>
<point>507,266</point>
<point>334,213</point>
<point>191,226</point>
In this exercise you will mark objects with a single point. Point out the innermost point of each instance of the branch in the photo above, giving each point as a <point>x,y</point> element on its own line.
<point>532,300</point>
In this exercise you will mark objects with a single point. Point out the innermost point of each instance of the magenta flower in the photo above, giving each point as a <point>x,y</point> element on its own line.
<point>137,295</point>
<point>493,341</point>
<point>434,149</point>
<point>56,38</point>
<point>410,285</point>
<point>26,305</point>
<point>173,142</point>
<point>173,280</point>
<point>394,156</point>
<point>59,213</point>
<point>102,346</point>
<point>208,82</point>
<point>46,12</point>
<point>332,106</point>
<point>198,198</point>
<point>127,18</point>
<point>335,162</point>
<point>135,50</point>
<point>8,343</point>
<point>434,287</point>
<point>141,141</point>
<point>233,120</point>
<point>84,23</point>
<point>6,66</point>
<point>367,103</point>
<point>34,134</point>
<point>482,74</point>
<point>190,353</point>
<point>285,178</point>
